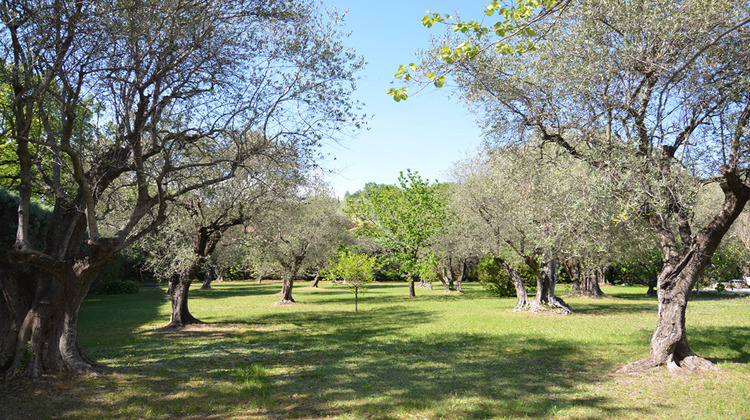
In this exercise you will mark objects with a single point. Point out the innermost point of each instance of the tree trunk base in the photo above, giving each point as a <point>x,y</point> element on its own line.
<point>596,295</point>
<point>522,305</point>
<point>537,307</point>
<point>686,366</point>
<point>561,307</point>
<point>284,302</point>
<point>178,325</point>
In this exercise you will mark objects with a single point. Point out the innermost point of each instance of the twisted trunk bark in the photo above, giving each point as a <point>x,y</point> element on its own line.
<point>39,313</point>
<point>180,291</point>
<point>522,299</point>
<point>286,291</point>
<point>585,283</point>
<point>316,280</point>
<point>682,268</point>
<point>546,279</point>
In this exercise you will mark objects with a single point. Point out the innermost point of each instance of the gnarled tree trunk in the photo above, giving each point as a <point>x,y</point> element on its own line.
<point>179,286</point>
<point>316,280</point>
<point>286,290</point>
<point>682,268</point>
<point>546,279</point>
<point>585,282</point>
<point>39,314</point>
<point>522,299</point>
<point>207,281</point>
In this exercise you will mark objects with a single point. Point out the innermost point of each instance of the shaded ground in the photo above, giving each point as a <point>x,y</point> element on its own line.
<point>435,356</point>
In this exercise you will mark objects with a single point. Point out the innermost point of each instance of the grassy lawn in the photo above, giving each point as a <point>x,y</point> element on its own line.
<point>436,356</point>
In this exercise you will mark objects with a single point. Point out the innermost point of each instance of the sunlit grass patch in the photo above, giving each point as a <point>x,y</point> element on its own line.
<point>436,356</point>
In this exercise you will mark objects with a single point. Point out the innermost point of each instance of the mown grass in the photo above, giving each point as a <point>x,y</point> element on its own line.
<point>436,356</point>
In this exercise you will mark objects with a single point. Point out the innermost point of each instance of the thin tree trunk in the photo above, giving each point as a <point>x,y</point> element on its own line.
<point>446,277</point>
<point>412,292</point>
<point>652,285</point>
<point>316,280</point>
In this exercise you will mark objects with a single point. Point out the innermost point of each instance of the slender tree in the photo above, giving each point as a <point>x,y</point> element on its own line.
<point>404,220</point>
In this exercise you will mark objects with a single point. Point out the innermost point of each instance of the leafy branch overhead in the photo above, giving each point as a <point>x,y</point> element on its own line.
<point>513,24</point>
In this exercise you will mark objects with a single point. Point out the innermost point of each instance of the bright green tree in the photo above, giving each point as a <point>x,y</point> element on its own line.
<point>404,220</point>
<point>356,270</point>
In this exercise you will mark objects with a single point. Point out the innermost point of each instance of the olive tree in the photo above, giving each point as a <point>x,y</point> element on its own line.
<point>199,220</point>
<point>299,232</point>
<point>176,88</point>
<point>654,94</point>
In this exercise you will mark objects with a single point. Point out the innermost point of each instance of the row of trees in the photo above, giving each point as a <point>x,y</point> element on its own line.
<point>651,96</point>
<point>121,116</point>
<point>604,121</point>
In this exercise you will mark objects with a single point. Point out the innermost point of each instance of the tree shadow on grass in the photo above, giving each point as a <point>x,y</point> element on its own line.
<point>337,363</point>
<point>239,288</point>
<point>730,341</point>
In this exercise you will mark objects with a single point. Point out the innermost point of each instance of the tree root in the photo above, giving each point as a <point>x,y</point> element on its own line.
<point>284,302</point>
<point>537,307</point>
<point>685,366</point>
<point>690,365</point>
<point>521,306</point>
<point>534,307</point>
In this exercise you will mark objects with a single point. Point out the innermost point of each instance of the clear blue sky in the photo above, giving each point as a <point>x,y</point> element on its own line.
<point>426,133</point>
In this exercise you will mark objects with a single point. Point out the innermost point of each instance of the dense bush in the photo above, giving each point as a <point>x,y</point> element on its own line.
<point>238,272</point>
<point>725,264</point>
<point>116,287</point>
<point>496,281</point>
<point>640,271</point>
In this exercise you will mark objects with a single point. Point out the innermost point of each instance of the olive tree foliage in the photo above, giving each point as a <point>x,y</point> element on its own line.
<point>298,233</point>
<point>538,209</point>
<point>458,245</point>
<point>198,221</point>
<point>177,87</point>
<point>653,93</point>
<point>404,220</point>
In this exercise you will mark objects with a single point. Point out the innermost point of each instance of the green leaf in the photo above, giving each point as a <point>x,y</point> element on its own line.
<point>440,81</point>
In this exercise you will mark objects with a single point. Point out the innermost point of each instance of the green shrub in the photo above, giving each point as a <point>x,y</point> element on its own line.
<point>116,287</point>
<point>494,279</point>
